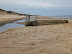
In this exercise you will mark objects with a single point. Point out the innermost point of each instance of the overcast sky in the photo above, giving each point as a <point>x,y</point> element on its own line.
<point>48,7</point>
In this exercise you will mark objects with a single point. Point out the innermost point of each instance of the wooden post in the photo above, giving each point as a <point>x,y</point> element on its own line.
<point>29,17</point>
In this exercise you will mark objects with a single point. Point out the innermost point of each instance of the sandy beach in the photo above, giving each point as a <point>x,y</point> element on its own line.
<point>35,26</point>
<point>46,39</point>
<point>10,18</point>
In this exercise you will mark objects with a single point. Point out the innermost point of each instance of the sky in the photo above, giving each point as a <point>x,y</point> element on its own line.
<point>38,7</point>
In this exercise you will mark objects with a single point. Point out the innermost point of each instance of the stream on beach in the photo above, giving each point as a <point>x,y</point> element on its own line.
<point>13,25</point>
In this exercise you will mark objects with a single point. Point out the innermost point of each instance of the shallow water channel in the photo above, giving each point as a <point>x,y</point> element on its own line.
<point>13,25</point>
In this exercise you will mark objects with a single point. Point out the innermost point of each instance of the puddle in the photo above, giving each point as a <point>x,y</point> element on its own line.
<point>13,25</point>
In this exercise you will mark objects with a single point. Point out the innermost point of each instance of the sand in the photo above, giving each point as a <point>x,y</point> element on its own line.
<point>47,39</point>
<point>9,18</point>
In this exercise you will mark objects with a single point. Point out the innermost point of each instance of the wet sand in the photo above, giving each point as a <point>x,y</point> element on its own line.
<point>47,39</point>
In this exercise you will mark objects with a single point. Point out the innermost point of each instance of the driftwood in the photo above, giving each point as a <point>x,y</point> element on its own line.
<point>44,22</point>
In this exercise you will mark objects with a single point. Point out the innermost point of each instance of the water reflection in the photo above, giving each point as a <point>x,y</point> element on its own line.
<point>11,25</point>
